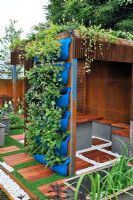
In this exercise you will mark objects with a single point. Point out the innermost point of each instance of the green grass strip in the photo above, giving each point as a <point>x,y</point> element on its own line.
<point>16,131</point>
<point>11,142</point>
<point>23,165</point>
<point>12,153</point>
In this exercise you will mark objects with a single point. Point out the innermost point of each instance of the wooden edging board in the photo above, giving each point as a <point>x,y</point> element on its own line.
<point>32,196</point>
<point>6,193</point>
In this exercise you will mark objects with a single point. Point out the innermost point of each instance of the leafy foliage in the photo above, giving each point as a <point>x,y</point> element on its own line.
<point>16,121</point>
<point>11,39</point>
<point>44,116</point>
<point>115,14</point>
<point>118,177</point>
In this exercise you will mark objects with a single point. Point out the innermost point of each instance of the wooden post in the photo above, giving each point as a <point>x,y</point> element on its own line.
<point>73,108</point>
<point>131,118</point>
<point>73,117</point>
<point>28,64</point>
<point>14,80</point>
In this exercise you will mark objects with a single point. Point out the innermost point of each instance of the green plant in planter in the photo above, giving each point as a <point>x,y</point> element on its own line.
<point>43,114</point>
<point>117,178</point>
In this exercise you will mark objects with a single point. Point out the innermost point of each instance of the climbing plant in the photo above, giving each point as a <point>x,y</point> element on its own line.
<point>43,130</point>
<point>43,127</point>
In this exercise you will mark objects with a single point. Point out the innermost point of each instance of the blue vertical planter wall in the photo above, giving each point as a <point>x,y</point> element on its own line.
<point>64,50</point>
<point>65,45</point>
<point>64,121</point>
<point>64,75</point>
<point>63,100</point>
<point>63,149</point>
<point>60,169</point>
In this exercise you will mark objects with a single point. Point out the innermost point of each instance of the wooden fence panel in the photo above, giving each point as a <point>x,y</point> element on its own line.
<point>6,88</point>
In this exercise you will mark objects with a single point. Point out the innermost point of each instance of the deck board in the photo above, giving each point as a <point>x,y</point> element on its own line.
<point>8,149</point>
<point>35,172</point>
<point>17,159</point>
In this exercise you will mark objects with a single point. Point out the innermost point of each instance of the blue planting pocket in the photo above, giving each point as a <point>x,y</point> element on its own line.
<point>60,169</point>
<point>65,45</point>
<point>41,159</point>
<point>63,149</point>
<point>64,75</point>
<point>63,100</point>
<point>64,121</point>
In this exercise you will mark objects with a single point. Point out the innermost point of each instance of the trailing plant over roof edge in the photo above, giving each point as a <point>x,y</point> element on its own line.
<point>43,114</point>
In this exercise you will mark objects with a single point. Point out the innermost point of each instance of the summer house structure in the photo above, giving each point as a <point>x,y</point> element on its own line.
<point>100,102</point>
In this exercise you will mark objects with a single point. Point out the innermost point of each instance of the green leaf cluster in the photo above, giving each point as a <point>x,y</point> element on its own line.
<point>43,127</point>
<point>115,14</point>
<point>107,182</point>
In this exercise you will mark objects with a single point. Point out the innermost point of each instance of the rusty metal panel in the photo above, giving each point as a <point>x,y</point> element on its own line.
<point>111,52</point>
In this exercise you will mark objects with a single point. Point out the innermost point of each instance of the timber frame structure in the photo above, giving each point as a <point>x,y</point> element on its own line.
<point>115,55</point>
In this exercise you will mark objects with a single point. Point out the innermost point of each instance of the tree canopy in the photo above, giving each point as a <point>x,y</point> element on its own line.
<point>115,14</point>
<point>12,35</point>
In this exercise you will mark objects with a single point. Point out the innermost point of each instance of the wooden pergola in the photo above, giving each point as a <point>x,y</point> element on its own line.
<point>120,53</point>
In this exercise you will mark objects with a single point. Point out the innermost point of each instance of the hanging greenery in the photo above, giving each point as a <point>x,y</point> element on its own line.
<point>43,130</point>
<point>43,127</point>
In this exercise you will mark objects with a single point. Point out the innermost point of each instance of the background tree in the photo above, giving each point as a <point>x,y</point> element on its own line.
<point>12,36</point>
<point>115,14</point>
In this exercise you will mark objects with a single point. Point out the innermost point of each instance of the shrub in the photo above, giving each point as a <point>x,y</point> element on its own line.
<point>16,121</point>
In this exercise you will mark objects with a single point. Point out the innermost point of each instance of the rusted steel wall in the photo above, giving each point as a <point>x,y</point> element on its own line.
<point>81,87</point>
<point>120,52</point>
<point>108,91</point>
<point>6,88</point>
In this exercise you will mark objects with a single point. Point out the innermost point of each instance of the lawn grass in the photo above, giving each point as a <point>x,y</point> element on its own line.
<point>11,142</point>
<point>32,186</point>
<point>16,131</point>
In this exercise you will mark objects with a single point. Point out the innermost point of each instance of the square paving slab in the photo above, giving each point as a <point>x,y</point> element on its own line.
<point>97,141</point>
<point>35,172</point>
<point>81,164</point>
<point>98,156</point>
<point>8,149</point>
<point>17,159</point>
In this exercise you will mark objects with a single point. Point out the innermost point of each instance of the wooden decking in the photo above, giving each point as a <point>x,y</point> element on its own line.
<point>8,149</point>
<point>123,132</point>
<point>82,118</point>
<point>35,172</point>
<point>81,164</point>
<point>97,141</point>
<point>98,156</point>
<point>17,159</point>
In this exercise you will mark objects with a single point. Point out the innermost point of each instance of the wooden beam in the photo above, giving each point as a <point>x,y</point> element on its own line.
<point>14,80</point>
<point>131,118</point>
